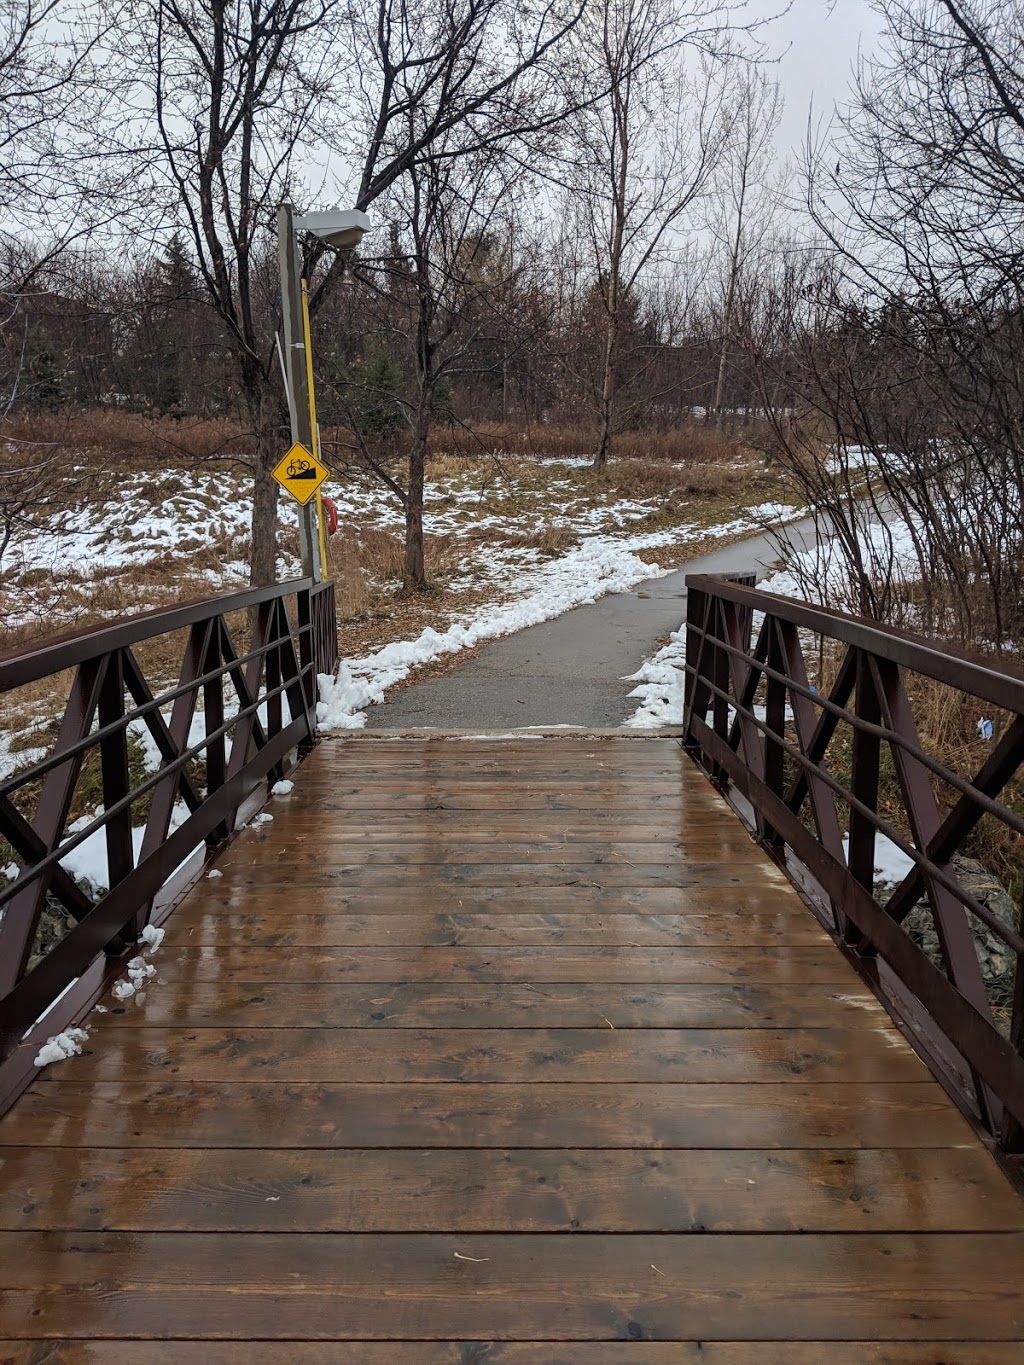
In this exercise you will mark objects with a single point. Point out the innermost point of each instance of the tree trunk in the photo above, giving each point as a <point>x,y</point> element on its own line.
<point>414,575</point>
<point>730,304</point>
<point>266,424</point>
<point>607,409</point>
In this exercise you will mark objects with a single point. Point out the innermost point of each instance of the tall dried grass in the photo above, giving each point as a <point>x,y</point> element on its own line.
<point>143,440</point>
<point>691,443</point>
<point>659,479</point>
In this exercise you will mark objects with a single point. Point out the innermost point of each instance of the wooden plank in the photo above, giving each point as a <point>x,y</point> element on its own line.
<point>267,1190</point>
<point>797,964</point>
<point>435,853</point>
<point>471,1004</point>
<point>497,1055</point>
<point>509,1353</point>
<point>507,786</point>
<point>305,871</point>
<point>510,827</point>
<point>516,773</point>
<point>330,801</point>
<point>613,1288</point>
<point>169,1112</point>
<point>237,892</point>
<point>192,927</point>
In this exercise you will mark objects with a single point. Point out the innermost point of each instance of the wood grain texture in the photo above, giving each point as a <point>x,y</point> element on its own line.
<point>171,1113</point>
<point>433,853</point>
<point>306,872</point>
<point>233,893</point>
<point>929,1287</point>
<point>418,1190</point>
<point>795,963</point>
<point>508,1353</point>
<point>478,1050</point>
<point>502,931</point>
<point>472,1004</point>
<point>613,1056</point>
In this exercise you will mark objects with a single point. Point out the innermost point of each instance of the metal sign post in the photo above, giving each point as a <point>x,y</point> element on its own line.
<point>296,373</point>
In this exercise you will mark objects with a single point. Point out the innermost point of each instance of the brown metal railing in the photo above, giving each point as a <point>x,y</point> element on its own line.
<point>802,766</point>
<point>257,707</point>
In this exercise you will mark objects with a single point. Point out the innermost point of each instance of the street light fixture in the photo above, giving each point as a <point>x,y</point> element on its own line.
<point>341,228</point>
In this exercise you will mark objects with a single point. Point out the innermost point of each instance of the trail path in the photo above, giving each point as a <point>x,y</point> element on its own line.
<point>572,670</point>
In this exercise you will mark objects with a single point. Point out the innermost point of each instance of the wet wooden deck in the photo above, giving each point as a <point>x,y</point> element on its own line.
<point>521,1043</point>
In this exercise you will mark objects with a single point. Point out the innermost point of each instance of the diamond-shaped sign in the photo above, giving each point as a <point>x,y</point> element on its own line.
<point>300,473</point>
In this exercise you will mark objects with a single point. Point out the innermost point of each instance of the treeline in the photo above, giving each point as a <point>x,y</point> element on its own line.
<point>578,219</point>
<point>144,339</point>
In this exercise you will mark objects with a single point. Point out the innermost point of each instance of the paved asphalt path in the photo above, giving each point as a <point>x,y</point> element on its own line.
<point>570,670</point>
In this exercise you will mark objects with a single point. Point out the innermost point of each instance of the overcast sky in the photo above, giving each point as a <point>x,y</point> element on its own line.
<point>817,51</point>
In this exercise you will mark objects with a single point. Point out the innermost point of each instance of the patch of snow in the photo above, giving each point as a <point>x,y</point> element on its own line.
<point>213,875</point>
<point>659,689</point>
<point>61,1046</point>
<point>822,572</point>
<point>153,937</point>
<point>282,788</point>
<point>264,818</point>
<point>140,972</point>
<point>87,861</point>
<point>891,863</point>
<point>777,511</point>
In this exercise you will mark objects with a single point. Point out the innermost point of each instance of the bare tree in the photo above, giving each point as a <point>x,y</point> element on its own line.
<point>744,209</point>
<point>438,294</point>
<point>646,151</point>
<point>49,90</point>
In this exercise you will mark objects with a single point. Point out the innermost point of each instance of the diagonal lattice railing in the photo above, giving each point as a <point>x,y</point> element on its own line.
<point>820,773</point>
<point>232,722</point>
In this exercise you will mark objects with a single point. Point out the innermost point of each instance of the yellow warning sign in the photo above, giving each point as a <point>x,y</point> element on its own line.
<point>300,473</point>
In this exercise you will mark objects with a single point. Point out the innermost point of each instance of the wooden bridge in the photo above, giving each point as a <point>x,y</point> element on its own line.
<point>507,1050</point>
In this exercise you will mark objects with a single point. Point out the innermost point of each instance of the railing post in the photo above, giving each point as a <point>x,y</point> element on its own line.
<point>864,776</point>
<point>213,717</point>
<point>775,732</point>
<point>308,660</point>
<point>18,928</point>
<point>695,690</point>
<point>115,782</point>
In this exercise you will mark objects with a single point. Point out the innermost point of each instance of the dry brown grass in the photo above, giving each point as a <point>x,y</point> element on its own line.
<point>143,440</point>
<point>659,479</point>
<point>367,566</point>
<point>690,442</point>
<point>550,539</point>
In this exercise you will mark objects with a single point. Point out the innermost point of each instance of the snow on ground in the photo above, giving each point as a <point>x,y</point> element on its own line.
<point>660,682</point>
<point>87,861</point>
<point>659,689</point>
<point>891,863</point>
<point>146,518</point>
<point>820,572</point>
<point>200,517</point>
